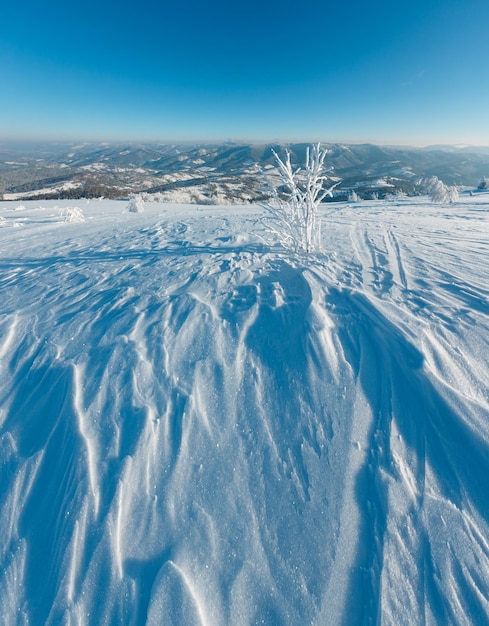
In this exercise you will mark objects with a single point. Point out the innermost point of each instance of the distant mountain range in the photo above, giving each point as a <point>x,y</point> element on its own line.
<point>221,173</point>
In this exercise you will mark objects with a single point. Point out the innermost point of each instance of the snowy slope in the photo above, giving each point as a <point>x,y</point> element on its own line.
<point>198,427</point>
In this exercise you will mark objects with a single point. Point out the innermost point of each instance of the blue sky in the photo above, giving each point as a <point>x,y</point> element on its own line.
<point>385,71</point>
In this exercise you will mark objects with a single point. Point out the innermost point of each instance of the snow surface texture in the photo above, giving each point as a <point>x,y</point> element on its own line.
<point>198,428</point>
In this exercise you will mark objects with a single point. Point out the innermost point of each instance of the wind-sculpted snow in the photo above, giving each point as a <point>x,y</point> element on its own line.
<point>199,428</point>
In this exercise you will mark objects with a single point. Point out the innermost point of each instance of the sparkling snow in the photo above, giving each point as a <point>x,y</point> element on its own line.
<point>199,427</point>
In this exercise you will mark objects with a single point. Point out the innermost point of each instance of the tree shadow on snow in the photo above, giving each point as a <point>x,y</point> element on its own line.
<point>390,371</point>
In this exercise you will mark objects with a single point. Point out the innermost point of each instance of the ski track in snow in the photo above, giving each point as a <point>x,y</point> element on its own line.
<point>197,427</point>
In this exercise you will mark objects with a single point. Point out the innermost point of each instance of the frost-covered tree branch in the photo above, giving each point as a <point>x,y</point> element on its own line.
<point>293,219</point>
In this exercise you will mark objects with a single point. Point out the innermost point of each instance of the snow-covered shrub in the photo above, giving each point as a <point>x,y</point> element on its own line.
<point>353,196</point>
<point>438,191</point>
<point>453,194</point>
<point>72,214</point>
<point>292,213</point>
<point>136,205</point>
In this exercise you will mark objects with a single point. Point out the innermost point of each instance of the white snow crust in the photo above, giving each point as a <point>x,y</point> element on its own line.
<point>198,427</point>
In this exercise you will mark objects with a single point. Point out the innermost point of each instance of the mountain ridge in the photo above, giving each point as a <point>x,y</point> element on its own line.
<point>225,172</point>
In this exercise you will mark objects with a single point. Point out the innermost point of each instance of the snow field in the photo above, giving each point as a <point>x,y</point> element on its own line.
<point>198,427</point>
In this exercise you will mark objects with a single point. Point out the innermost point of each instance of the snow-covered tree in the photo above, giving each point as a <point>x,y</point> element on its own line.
<point>292,214</point>
<point>72,214</point>
<point>483,184</point>
<point>136,205</point>
<point>453,194</point>
<point>438,191</point>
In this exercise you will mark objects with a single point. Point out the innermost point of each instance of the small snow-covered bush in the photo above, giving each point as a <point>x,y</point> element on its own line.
<point>72,214</point>
<point>438,191</point>
<point>136,205</point>
<point>292,214</point>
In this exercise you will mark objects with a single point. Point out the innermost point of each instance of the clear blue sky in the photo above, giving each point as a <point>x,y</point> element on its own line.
<point>412,72</point>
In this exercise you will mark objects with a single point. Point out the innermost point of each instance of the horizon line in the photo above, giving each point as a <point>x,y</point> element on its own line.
<point>235,141</point>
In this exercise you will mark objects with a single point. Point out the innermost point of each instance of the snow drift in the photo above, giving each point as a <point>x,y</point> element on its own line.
<point>197,427</point>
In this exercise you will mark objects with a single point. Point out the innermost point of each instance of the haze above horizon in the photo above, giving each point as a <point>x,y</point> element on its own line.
<point>254,72</point>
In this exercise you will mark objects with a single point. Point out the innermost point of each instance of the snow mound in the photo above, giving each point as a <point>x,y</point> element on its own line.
<point>198,428</point>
